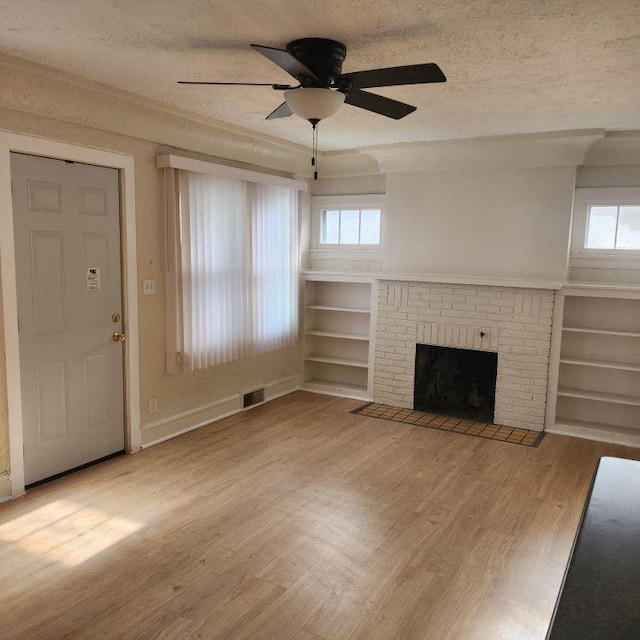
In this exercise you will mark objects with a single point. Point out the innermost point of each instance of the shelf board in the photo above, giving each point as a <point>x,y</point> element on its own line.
<point>583,424</point>
<point>336,334</point>
<point>604,332</point>
<point>363,364</point>
<point>605,364</point>
<point>627,436</point>
<point>336,276</point>
<point>330,386</point>
<point>600,396</point>
<point>324,307</point>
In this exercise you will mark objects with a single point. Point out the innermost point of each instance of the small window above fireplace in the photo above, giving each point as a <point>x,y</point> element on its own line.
<point>606,228</point>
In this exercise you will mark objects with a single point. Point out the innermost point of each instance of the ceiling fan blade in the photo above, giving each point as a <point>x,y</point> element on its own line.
<point>243,84</point>
<point>392,76</point>
<point>285,61</point>
<point>283,111</point>
<point>378,104</point>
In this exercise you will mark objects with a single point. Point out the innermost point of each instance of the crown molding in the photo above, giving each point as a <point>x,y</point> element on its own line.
<point>553,149</point>
<point>39,90</point>
<point>616,148</point>
<point>348,164</point>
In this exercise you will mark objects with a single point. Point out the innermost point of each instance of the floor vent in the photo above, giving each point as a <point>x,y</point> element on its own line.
<point>253,397</point>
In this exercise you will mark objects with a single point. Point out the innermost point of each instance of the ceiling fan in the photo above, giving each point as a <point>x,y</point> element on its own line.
<point>316,63</point>
<point>322,88</point>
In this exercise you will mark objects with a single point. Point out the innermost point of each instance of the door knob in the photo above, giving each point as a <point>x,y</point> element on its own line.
<point>118,337</point>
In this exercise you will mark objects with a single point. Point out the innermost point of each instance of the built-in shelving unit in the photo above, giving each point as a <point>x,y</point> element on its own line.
<point>337,334</point>
<point>598,390</point>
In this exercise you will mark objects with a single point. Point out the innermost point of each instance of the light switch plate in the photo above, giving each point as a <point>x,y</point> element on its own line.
<point>149,287</point>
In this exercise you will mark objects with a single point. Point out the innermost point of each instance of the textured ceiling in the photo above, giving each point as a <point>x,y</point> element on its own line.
<point>513,66</point>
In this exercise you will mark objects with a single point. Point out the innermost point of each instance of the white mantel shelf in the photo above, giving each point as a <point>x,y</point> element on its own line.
<point>567,286</point>
<point>483,281</point>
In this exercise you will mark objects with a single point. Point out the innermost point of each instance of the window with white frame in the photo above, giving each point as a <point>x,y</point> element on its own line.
<point>606,223</point>
<point>350,226</point>
<point>343,223</point>
<point>613,226</point>
<point>233,268</point>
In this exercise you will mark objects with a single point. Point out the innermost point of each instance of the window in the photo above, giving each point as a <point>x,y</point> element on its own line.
<point>613,227</point>
<point>606,224</point>
<point>235,257</point>
<point>352,223</point>
<point>350,226</point>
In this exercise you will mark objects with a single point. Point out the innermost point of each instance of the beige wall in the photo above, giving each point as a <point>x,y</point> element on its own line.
<point>35,104</point>
<point>506,224</point>
<point>4,425</point>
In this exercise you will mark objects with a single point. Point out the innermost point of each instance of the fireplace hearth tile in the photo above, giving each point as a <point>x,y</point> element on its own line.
<point>440,422</point>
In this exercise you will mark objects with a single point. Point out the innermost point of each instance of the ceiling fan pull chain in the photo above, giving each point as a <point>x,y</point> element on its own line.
<point>314,147</point>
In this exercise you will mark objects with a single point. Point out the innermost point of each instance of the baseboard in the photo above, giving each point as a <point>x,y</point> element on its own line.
<point>157,432</point>
<point>610,435</point>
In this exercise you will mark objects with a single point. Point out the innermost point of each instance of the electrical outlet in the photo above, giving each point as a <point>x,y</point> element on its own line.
<point>149,287</point>
<point>153,405</point>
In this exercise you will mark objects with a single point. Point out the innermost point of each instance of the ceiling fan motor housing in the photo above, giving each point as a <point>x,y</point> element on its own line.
<point>323,57</point>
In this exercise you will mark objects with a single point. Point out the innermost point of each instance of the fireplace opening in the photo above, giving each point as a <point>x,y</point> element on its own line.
<point>457,382</point>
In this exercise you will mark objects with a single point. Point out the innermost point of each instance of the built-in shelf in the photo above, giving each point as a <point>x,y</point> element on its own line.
<point>342,388</point>
<point>596,431</point>
<point>600,396</point>
<point>585,424</point>
<point>604,364</point>
<point>345,362</point>
<point>598,392</point>
<point>324,307</point>
<point>337,346</point>
<point>337,334</point>
<point>605,332</point>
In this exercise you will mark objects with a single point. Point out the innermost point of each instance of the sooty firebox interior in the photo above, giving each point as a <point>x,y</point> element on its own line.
<point>458,382</point>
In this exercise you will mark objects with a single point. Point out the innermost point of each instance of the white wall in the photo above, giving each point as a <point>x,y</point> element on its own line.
<point>348,186</point>
<point>608,176</point>
<point>508,224</point>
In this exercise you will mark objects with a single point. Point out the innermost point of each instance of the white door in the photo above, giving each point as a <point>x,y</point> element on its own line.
<point>67,235</point>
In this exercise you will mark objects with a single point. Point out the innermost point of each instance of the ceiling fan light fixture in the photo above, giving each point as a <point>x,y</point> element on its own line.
<point>313,103</point>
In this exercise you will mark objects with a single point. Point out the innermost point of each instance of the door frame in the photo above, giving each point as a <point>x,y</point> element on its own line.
<point>32,145</point>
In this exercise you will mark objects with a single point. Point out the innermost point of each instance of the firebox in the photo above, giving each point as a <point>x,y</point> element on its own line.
<point>457,382</point>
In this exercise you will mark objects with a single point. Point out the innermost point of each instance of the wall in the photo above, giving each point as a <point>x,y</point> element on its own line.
<point>505,223</point>
<point>4,424</point>
<point>496,207</point>
<point>348,186</point>
<point>39,103</point>
<point>502,223</point>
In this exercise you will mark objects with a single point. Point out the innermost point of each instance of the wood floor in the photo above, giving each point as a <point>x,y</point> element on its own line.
<point>299,521</point>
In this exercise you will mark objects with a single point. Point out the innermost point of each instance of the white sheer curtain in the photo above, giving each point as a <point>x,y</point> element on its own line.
<point>274,266</point>
<point>215,248</point>
<point>234,248</point>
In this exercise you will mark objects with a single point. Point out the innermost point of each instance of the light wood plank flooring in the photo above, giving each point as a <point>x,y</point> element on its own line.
<point>298,520</point>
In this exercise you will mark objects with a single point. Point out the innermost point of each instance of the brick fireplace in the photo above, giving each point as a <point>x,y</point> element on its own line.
<point>513,322</point>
